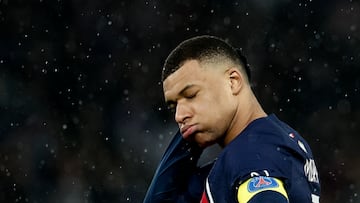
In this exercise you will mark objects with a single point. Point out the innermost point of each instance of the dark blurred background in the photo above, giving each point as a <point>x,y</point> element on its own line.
<point>82,117</point>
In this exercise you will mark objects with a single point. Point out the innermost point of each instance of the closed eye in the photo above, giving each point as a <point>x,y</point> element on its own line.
<point>191,95</point>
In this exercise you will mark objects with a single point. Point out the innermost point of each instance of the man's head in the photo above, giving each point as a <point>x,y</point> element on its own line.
<point>206,84</point>
<point>204,49</point>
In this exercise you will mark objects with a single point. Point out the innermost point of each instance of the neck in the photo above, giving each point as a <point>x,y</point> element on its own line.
<point>248,110</point>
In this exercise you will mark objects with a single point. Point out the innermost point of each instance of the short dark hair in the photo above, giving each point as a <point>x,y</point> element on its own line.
<point>202,48</point>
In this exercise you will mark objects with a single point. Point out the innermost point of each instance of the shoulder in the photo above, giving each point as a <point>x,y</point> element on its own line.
<point>261,141</point>
<point>261,144</point>
<point>252,153</point>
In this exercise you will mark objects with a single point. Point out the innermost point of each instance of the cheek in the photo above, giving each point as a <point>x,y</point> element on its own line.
<point>215,108</point>
<point>225,107</point>
<point>215,102</point>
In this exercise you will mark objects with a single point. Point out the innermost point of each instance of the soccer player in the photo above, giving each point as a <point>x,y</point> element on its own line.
<point>206,83</point>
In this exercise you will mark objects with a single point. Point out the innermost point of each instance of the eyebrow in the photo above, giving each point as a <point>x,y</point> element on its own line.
<point>169,102</point>
<point>186,88</point>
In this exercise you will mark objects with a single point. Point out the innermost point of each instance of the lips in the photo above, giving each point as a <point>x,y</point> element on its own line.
<point>187,130</point>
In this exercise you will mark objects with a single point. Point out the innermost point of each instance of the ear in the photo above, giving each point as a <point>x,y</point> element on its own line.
<point>236,80</point>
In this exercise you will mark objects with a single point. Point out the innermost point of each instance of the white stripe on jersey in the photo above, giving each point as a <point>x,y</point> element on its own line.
<point>208,192</point>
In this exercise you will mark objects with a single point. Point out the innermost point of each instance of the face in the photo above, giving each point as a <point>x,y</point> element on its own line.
<point>203,101</point>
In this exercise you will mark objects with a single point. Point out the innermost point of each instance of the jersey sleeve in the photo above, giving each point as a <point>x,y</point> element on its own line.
<point>260,189</point>
<point>177,178</point>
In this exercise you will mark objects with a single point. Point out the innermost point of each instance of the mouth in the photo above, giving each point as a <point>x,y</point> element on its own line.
<point>187,130</point>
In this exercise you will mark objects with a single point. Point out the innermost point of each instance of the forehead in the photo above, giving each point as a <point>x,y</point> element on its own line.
<point>190,72</point>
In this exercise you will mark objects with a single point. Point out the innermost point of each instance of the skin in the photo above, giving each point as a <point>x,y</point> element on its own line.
<point>213,102</point>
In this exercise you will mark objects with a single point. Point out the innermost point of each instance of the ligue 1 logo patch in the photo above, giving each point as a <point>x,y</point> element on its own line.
<point>261,182</point>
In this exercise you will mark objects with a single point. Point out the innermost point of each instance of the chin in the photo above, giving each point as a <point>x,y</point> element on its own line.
<point>205,143</point>
<point>204,140</point>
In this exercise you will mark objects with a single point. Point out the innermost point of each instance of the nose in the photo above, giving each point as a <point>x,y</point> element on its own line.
<point>182,113</point>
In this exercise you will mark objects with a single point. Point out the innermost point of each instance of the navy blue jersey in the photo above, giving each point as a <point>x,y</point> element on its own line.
<point>267,152</point>
<point>177,178</point>
<point>266,148</point>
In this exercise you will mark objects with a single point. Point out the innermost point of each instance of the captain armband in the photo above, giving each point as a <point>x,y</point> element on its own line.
<point>255,185</point>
